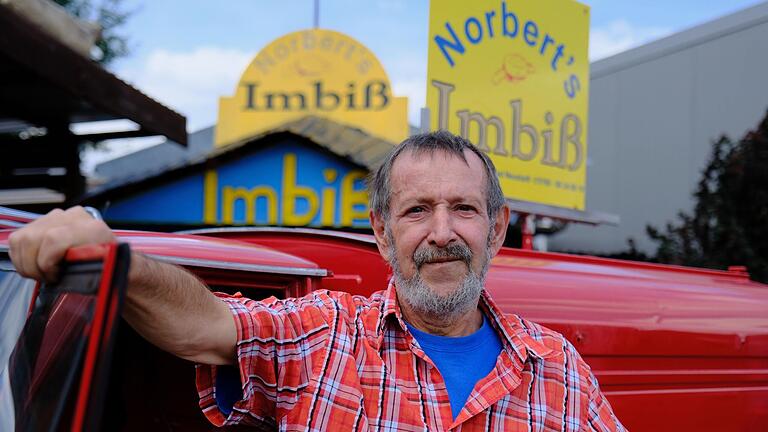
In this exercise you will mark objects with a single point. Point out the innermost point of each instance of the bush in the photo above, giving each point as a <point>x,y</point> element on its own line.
<point>729,224</point>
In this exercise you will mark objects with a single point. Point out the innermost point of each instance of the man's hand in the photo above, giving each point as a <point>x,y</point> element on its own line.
<point>37,249</point>
<point>166,304</point>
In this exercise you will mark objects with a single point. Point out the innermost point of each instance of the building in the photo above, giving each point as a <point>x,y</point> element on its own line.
<point>307,172</point>
<point>312,115</point>
<point>654,112</point>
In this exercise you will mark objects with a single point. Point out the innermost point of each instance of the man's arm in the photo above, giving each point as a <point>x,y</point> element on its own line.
<point>167,305</point>
<point>174,310</point>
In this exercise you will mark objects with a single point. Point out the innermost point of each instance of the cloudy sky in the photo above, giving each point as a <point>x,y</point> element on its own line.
<point>186,54</point>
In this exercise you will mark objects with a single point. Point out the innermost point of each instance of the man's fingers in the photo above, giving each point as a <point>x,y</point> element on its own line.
<point>14,251</point>
<point>23,248</point>
<point>40,223</point>
<point>52,250</point>
<point>24,244</point>
<point>38,248</point>
<point>58,239</point>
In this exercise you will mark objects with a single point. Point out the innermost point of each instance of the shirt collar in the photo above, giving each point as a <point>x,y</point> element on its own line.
<point>511,328</point>
<point>390,309</point>
<point>513,331</point>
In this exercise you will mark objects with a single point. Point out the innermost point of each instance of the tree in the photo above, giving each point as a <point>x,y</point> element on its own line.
<point>729,224</point>
<point>110,16</point>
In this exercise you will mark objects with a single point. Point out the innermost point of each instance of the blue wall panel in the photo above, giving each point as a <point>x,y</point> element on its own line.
<point>289,184</point>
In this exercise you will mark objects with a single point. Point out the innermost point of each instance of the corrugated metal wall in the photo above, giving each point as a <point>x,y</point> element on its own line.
<point>654,112</point>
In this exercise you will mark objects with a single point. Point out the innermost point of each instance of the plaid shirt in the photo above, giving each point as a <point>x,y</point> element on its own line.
<point>333,361</point>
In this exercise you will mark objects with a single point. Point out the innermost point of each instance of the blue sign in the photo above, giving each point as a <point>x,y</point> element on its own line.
<point>286,185</point>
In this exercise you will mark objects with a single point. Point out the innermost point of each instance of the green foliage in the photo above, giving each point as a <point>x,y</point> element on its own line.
<point>632,254</point>
<point>110,16</point>
<point>729,224</point>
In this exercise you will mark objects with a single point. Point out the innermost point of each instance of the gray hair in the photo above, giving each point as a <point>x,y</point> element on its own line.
<point>426,143</point>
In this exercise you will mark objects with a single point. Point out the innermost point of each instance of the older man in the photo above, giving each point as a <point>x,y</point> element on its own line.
<point>431,352</point>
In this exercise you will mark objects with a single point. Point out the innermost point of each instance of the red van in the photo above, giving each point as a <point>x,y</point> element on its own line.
<point>674,348</point>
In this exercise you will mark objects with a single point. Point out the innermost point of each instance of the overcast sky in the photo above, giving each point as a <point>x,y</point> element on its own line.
<point>186,54</point>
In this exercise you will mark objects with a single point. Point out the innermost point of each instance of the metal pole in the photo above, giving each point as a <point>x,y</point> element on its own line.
<point>424,127</point>
<point>528,229</point>
<point>317,14</point>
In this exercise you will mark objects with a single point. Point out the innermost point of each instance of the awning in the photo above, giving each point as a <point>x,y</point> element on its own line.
<point>46,86</point>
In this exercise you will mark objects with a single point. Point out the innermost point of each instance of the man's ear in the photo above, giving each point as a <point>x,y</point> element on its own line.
<point>499,229</point>
<point>379,232</point>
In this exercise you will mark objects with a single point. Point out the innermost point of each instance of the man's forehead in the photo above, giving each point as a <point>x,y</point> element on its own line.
<point>432,166</point>
<point>430,158</point>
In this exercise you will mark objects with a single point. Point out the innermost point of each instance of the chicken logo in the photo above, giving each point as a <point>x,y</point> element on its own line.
<point>514,68</point>
<point>309,66</point>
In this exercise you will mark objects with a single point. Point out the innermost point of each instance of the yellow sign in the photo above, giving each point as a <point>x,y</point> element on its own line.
<point>313,72</point>
<point>513,78</point>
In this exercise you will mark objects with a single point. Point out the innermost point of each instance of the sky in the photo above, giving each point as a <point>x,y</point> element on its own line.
<point>187,53</point>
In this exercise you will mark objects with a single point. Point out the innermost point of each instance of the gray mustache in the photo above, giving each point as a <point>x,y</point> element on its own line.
<point>454,251</point>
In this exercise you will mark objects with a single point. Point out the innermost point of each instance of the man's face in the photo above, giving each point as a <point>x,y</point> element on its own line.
<point>439,233</point>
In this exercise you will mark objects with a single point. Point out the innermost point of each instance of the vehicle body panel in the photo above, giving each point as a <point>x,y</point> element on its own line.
<point>674,348</point>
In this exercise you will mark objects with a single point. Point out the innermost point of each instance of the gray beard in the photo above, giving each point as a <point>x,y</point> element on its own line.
<point>423,299</point>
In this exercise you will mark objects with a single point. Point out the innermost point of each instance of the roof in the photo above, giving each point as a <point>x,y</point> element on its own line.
<point>157,158</point>
<point>568,290</point>
<point>202,252</point>
<point>190,250</point>
<point>344,141</point>
<point>53,19</point>
<point>195,251</point>
<point>49,83</point>
<point>547,287</point>
<point>45,79</point>
<point>511,258</point>
<point>584,290</point>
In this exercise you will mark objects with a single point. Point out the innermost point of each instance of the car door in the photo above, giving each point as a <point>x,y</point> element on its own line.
<point>57,372</point>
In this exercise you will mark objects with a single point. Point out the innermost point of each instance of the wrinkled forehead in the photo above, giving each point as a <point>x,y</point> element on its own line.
<point>438,172</point>
<point>421,158</point>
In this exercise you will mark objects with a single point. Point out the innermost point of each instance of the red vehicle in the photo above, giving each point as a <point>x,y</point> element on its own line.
<point>674,348</point>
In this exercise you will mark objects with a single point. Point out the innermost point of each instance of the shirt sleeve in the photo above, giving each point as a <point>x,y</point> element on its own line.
<point>280,344</point>
<point>600,416</point>
<point>597,413</point>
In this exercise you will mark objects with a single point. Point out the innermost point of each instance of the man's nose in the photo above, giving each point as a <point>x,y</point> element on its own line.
<point>441,230</point>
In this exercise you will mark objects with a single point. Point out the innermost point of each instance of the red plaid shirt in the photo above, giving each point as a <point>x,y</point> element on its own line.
<point>333,361</point>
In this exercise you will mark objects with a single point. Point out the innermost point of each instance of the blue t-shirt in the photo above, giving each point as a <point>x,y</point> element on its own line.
<point>228,389</point>
<point>462,361</point>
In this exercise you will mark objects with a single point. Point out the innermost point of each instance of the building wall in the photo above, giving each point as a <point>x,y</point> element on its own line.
<point>654,113</point>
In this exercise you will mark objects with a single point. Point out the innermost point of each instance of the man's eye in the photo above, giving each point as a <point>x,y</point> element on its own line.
<point>413,210</point>
<point>465,208</point>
